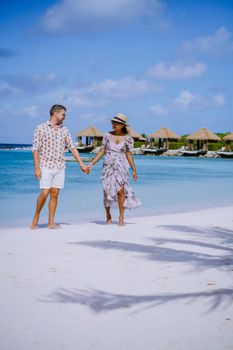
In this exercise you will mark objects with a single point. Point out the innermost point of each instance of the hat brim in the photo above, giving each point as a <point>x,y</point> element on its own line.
<point>119,122</point>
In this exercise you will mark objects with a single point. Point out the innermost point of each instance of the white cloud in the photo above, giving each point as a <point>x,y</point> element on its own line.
<point>80,98</point>
<point>27,112</point>
<point>75,14</point>
<point>219,42</point>
<point>158,110</point>
<point>176,71</point>
<point>123,88</point>
<point>101,93</point>
<point>30,111</point>
<point>219,100</point>
<point>91,117</point>
<point>188,100</point>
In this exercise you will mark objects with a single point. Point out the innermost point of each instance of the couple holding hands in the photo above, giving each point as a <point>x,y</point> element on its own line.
<point>50,141</point>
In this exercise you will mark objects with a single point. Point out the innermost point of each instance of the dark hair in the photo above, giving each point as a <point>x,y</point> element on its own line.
<point>56,108</point>
<point>125,130</point>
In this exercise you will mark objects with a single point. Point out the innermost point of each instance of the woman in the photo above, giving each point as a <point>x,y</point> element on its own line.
<point>117,147</point>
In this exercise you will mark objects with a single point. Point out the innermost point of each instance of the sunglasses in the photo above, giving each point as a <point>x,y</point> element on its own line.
<point>116,123</point>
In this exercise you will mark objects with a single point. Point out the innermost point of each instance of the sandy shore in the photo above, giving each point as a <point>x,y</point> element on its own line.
<point>163,282</point>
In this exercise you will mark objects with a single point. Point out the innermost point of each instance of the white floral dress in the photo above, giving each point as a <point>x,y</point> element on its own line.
<point>115,173</point>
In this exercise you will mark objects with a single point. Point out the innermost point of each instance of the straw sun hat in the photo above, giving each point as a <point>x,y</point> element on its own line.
<point>120,118</point>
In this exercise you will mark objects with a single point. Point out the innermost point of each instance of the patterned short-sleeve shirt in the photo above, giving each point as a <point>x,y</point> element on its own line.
<point>51,143</point>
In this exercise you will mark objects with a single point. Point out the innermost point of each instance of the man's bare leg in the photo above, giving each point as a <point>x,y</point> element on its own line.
<point>39,205</point>
<point>54,192</point>
<point>121,199</point>
<point>108,215</point>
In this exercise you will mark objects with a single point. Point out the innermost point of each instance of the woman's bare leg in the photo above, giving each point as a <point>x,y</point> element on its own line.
<point>121,199</point>
<point>108,215</point>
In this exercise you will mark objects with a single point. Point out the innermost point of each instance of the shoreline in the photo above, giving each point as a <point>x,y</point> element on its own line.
<point>137,152</point>
<point>128,218</point>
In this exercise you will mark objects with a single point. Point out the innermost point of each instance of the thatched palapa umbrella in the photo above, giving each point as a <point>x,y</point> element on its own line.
<point>135,135</point>
<point>203,136</point>
<point>91,133</point>
<point>228,138</point>
<point>164,135</point>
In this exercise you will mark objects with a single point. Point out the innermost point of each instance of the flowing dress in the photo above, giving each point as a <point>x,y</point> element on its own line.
<point>115,172</point>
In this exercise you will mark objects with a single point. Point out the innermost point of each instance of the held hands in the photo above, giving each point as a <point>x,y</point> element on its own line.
<point>89,166</point>
<point>84,168</point>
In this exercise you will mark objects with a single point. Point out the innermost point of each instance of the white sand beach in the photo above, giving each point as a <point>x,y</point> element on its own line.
<point>162,282</point>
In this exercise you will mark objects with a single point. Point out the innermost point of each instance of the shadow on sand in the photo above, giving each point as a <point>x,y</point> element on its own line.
<point>210,232</point>
<point>114,222</point>
<point>100,301</point>
<point>213,257</point>
<point>59,223</point>
<point>197,260</point>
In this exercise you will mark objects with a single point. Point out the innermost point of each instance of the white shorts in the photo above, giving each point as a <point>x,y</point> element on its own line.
<point>52,178</point>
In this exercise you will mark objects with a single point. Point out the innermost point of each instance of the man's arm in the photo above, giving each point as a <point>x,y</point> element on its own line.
<point>71,146</point>
<point>37,171</point>
<point>76,155</point>
<point>36,146</point>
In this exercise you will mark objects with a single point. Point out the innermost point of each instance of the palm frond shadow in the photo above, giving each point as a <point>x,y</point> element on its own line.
<point>100,301</point>
<point>197,260</point>
<point>160,241</point>
<point>211,232</point>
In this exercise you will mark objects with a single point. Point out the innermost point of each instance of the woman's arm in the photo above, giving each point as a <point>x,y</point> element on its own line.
<point>97,157</point>
<point>131,163</point>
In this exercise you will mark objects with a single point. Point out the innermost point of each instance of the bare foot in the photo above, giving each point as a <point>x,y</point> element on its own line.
<point>121,222</point>
<point>54,226</point>
<point>34,224</point>
<point>34,227</point>
<point>109,220</point>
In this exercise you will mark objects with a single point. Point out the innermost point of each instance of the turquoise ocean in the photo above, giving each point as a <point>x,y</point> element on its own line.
<point>165,185</point>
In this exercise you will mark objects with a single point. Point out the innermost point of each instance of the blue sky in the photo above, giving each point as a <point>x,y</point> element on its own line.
<point>162,63</point>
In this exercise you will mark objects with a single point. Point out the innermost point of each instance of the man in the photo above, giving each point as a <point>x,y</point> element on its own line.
<point>50,141</point>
